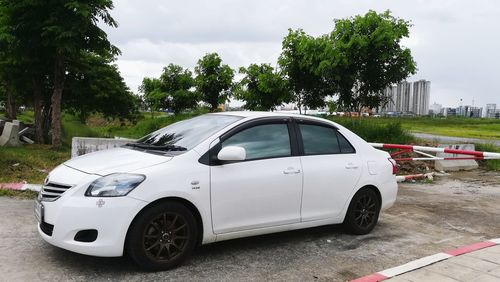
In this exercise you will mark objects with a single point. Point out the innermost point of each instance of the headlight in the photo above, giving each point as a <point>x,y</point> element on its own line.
<point>114,185</point>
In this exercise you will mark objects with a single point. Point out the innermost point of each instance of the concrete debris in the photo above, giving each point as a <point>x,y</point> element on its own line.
<point>84,145</point>
<point>10,134</point>
<point>455,165</point>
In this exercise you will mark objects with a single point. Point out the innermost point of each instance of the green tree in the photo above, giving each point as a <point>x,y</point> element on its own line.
<point>262,88</point>
<point>54,34</point>
<point>177,84</point>
<point>26,64</point>
<point>214,80</point>
<point>332,107</point>
<point>95,85</point>
<point>299,61</point>
<point>364,57</point>
<point>153,96</point>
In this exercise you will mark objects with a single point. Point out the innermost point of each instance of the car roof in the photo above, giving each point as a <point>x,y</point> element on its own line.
<point>258,114</point>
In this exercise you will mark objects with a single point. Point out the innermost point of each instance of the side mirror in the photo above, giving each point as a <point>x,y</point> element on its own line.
<point>232,153</point>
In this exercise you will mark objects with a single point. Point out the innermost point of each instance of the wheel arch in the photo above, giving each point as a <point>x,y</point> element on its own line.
<point>374,189</point>
<point>365,186</point>
<point>183,201</point>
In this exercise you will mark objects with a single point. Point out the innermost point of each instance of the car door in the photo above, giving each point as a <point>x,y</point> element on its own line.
<point>263,190</point>
<point>331,169</point>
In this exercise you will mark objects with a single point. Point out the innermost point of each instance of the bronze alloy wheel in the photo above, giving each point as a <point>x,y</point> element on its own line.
<point>166,236</point>
<point>162,236</point>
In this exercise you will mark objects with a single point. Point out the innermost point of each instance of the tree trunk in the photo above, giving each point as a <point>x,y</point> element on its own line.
<point>299,102</point>
<point>46,120</point>
<point>38,108</point>
<point>59,72</point>
<point>10,105</point>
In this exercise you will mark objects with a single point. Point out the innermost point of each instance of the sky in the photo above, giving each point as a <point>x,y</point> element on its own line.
<point>456,44</point>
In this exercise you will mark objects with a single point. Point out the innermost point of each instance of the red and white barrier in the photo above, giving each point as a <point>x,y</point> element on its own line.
<point>402,178</point>
<point>474,155</point>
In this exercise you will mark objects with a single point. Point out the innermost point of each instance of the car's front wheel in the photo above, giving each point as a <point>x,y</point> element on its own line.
<point>363,212</point>
<point>162,236</point>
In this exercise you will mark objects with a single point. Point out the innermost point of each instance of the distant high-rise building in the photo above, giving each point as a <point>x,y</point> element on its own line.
<point>421,97</point>
<point>470,111</point>
<point>403,97</point>
<point>407,98</point>
<point>491,110</point>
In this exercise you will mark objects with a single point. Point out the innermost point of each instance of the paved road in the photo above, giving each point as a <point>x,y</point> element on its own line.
<point>450,139</point>
<point>427,218</point>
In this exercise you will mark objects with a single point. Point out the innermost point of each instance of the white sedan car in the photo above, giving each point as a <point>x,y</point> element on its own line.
<point>211,178</point>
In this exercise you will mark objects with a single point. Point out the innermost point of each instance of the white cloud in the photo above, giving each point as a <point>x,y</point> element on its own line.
<point>455,43</point>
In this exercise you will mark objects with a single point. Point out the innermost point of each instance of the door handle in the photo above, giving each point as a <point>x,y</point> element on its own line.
<point>291,171</point>
<point>351,166</point>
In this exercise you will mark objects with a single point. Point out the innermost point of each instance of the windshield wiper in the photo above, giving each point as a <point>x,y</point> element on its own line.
<point>157,147</point>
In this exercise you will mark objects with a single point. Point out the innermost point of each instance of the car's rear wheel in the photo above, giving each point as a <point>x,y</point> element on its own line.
<point>162,236</point>
<point>363,212</point>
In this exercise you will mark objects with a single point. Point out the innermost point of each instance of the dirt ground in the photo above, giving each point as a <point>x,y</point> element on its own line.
<point>456,210</point>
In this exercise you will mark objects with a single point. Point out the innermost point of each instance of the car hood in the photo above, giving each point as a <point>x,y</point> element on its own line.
<point>115,160</point>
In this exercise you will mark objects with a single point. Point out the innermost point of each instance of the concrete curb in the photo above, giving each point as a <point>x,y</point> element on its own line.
<point>425,261</point>
<point>21,186</point>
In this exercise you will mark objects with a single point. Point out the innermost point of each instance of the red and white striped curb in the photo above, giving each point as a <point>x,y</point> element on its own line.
<point>21,186</point>
<point>425,261</point>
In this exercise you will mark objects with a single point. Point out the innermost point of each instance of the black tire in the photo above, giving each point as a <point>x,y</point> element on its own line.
<point>363,212</point>
<point>162,236</point>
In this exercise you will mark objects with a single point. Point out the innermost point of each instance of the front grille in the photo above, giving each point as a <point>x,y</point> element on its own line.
<point>52,191</point>
<point>47,228</point>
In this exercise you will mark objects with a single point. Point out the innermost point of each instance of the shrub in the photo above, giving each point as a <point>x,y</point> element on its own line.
<point>490,164</point>
<point>373,131</point>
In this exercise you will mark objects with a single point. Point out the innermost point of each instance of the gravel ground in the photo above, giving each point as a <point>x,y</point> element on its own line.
<point>456,210</point>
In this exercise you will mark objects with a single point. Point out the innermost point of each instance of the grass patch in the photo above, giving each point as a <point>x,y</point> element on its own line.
<point>489,164</point>
<point>145,125</point>
<point>26,116</point>
<point>29,163</point>
<point>26,194</point>
<point>372,130</point>
<point>454,126</point>
<point>72,127</point>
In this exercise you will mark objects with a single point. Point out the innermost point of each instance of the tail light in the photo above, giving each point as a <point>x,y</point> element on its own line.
<point>394,166</point>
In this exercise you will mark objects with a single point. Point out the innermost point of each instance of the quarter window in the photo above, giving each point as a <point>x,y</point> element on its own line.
<point>262,141</point>
<point>345,146</point>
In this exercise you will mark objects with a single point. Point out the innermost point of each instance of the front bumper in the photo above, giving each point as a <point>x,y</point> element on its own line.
<point>111,217</point>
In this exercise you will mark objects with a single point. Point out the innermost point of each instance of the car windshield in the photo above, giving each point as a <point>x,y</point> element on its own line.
<point>185,135</point>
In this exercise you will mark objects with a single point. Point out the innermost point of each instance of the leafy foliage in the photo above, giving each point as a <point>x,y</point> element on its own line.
<point>214,80</point>
<point>152,94</point>
<point>173,90</point>
<point>365,56</point>
<point>177,83</point>
<point>262,88</point>
<point>95,85</point>
<point>298,61</point>
<point>42,41</point>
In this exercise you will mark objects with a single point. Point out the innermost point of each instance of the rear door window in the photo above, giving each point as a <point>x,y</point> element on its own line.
<point>322,140</point>
<point>319,140</point>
